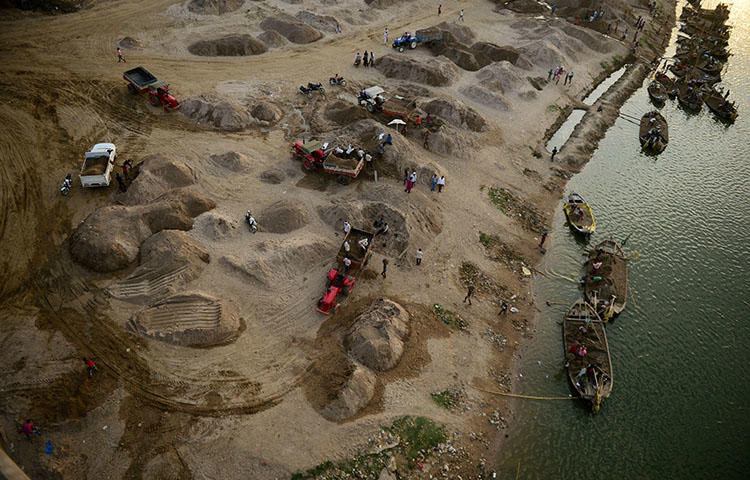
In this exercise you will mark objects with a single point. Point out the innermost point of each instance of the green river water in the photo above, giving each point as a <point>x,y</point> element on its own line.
<point>680,351</point>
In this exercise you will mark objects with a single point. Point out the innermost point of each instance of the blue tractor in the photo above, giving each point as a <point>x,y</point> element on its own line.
<point>412,40</point>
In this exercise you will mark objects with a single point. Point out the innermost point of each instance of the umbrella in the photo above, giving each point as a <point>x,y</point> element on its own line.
<point>397,121</point>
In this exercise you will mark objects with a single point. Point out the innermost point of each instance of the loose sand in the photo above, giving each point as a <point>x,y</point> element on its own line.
<point>213,362</point>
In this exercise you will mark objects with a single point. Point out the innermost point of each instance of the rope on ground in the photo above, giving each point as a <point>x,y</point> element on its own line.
<point>557,275</point>
<point>517,395</point>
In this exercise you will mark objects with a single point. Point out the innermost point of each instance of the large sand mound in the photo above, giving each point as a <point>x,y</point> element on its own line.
<point>214,225</point>
<point>156,175</point>
<point>485,97</point>
<point>213,112</point>
<point>501,77</point>
<point>273,176</point>
<point>169,260</point>
<point>110,238</point>
<point>266,114</point>
<point>377,337</point>
<point>462,33</point>
<point>239,45</point>
<point>292,29</point>
<point>214,7</point>
<point>437,72</point>
<point>232,161</point>
<point>272,39</point>
<point>355,394</point>
<point>273,264</point>
<point>455,113</point>
<point>283,216</point>
<point>497,53</point>
<point>326,23</point>
<point>344,113</point>
<point>190,320</point>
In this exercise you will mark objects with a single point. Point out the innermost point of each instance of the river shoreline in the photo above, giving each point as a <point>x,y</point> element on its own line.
<point>582,144</point>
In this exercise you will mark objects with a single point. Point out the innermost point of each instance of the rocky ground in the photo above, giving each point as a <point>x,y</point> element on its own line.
<point>213,362</point>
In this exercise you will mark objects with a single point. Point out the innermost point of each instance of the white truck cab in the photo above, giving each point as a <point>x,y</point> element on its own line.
<point>98,164</point>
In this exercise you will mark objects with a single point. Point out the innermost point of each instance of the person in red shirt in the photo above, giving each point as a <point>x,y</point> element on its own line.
<point>120,58</point>
<point>28,428</point>
<point>90,366</point>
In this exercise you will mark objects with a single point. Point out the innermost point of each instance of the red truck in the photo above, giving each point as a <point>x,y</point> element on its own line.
<point>141,80</point>
<point>340,279</point>
<point>314,155</point>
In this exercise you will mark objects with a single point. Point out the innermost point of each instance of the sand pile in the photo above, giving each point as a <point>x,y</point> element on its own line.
<point>232,161</point>
<point>423,218</point>
<point>190,320</point>
<point>377,337</point>
<point>214,7</point>
<point>214,225</point>
<point>238,45</point>
<point>283,216</point>
<point>272,39</point>
<point>213,112</point>
<point>354,395</point>
<point>157,175</point>
<point>459,32</point>
<point>129,43</point>
<point>437,72</point>
<point>273,176</point>
<point>110,238</point>
<point>495,83</point>
<point>523,6</point>
<point>292,29</point>
<point>169,260</point>
<point>274,263</point>
<point>497,53</point>
<point>455,113</point>
<point>266,114</point>
<point>326,23</point>
<point>343,113</point>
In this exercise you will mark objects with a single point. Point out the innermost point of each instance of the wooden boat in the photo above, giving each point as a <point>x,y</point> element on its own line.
<point>579,214</point>
<point>654,132</point>
<point>605,284</point>
<point>587,355</point>
<point>657,92</point>
<point>716,102</point>
<point>688,97</point>
<point>669,84</point>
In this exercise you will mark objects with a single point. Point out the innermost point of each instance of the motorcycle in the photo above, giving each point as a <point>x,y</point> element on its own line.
<point>338,81</point>
<point>66,185</point>
<point>311,87</point>
<point>251,222</point>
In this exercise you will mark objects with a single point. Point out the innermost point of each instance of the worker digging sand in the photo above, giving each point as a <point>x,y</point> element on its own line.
<point>204,326</point>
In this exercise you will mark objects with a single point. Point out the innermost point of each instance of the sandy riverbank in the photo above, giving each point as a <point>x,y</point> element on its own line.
<point>207,335</point>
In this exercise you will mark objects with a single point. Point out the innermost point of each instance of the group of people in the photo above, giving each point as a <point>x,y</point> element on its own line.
<point>367,59</point>
<point>557,72</point>
<point>438,182</point>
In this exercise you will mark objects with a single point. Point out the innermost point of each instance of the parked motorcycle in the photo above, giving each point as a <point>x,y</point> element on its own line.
<point>312,87</point>
<point>66,185</point>
<point>338,81</point>
<point>251,222</point>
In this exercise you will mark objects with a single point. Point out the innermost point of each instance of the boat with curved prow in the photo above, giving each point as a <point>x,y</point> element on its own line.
<point>718,104</point>
<point>605,284</point>
<point>579,214</point>
<point>587,355</point>
<point>654,132</point>
<point>688,97</point>
<point>657,92</point>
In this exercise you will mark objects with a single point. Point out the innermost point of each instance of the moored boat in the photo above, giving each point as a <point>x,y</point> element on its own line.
<point>718,104</point>
<point>688,96</point>
<point>654,132</point>
<point>668,82</point>
<point>579,214</point>
<point>605,284</point>
<point>657,92</point>
<point>587,355</point>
